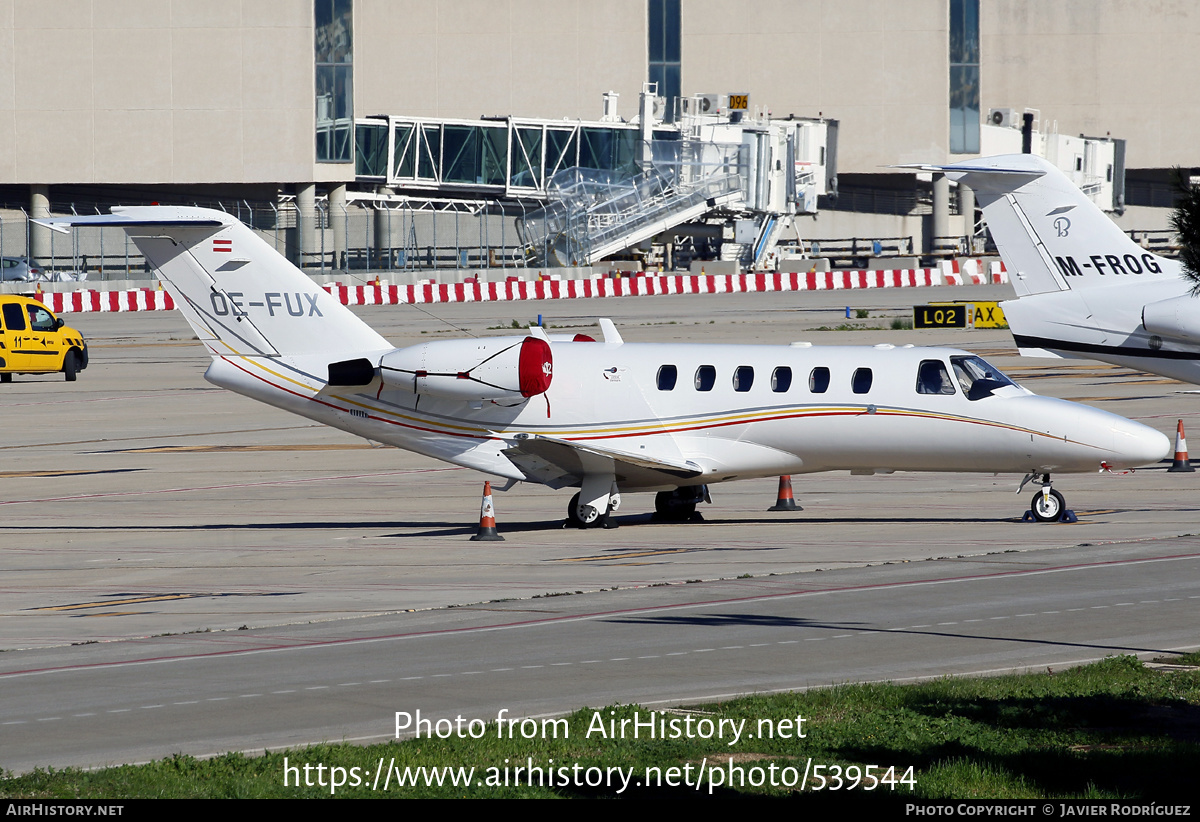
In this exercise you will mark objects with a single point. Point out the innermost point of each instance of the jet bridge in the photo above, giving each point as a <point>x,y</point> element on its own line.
<point>588,190</point>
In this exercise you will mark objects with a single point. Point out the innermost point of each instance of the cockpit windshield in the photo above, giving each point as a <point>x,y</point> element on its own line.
<point>977,377</point>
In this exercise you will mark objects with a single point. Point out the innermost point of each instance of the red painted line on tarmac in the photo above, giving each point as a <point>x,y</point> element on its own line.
<point>327,643</point>
<point>231,485</point>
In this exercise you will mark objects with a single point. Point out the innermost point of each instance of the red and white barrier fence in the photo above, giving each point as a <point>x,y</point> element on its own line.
<point>514,289</point>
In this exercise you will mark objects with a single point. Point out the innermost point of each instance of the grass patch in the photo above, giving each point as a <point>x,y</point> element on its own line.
<point>1112,730</point>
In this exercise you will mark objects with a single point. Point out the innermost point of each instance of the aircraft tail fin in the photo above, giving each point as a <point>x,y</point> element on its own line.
<point>1051,236</point>
<point>239,295</point>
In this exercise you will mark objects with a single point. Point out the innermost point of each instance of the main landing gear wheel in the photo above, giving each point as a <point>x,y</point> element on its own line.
<point>676,506</point>
<point>585,516</point>
<point>1047,507</point>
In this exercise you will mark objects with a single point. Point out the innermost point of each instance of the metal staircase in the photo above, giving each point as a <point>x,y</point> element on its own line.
<point>592,214</point>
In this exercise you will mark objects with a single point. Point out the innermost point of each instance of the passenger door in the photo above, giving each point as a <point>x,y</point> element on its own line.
<point>13,328</point>
<point>43,341</point>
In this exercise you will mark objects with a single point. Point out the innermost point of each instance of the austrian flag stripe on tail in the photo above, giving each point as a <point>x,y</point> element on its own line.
<point>223,245</point>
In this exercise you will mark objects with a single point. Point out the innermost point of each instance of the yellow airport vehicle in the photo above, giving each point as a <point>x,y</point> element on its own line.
<point>34,341</point>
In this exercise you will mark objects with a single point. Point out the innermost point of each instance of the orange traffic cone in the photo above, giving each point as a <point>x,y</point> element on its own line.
<point>487,518</point>
<point>1181,462</point>
<point>785,501</point>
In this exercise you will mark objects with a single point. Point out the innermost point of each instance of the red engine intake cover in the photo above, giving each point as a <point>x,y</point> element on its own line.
<point>535,368</point>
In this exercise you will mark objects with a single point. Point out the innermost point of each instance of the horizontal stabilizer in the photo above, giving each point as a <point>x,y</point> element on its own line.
<point>119,220</point>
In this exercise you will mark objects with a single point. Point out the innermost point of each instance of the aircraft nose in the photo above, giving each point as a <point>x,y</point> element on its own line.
<point>1135,444</point>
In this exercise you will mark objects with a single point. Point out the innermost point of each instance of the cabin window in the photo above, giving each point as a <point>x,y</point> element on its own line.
<point>818,380</point>
<point>781,379</point>
<point>706,378</point>
<point>667,375</point>
<point>933,378</point>
<point>861,381</point>
<point>977,377</point>
<point>14,317</point>
<point>743,378</point>
<point>40,319</point>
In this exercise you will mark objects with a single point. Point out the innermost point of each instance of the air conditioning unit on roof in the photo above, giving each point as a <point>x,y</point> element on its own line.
<point>1004,117</point>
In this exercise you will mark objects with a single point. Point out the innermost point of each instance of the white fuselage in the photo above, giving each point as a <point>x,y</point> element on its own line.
<point>1106,324</point>
<point>609,396</point>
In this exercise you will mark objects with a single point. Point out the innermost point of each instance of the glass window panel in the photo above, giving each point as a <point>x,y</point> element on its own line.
<point>656,40</point>
<point>333,59</point>
<point>460,145</point>
<point>861,381</point>
<point>671,83</point>
<point>429,153</point>
<point>933,378</point>
<point>403,150</point>
<point>658,76</point>
<point>706,378</point>
<point>492,142</point>
<point>956,32</point>
<point>818,380</point>
<point>970,36</point>
<point>743,378</point>
<point>667,375</point>
<point>625,150</point>
<point>781,379</point>
<point>671,25</point>
<point>964,109</point>
<point>526,157</point>
<point>14,317</point>
<point>596,149</point>
<point>977,377</point>
<point>562,149</point>
<point>964,76</point>
<point>322,26</point>
<point>370,150</point>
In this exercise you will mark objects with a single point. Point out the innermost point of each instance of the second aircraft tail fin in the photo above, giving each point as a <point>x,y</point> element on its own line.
<point>1051,236</point>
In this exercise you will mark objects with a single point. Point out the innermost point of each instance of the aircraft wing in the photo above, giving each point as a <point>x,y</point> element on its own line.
<point>560,463</point>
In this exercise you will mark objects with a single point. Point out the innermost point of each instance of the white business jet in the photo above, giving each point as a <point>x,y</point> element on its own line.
<point>1084,288</point>
<point>609,416</point>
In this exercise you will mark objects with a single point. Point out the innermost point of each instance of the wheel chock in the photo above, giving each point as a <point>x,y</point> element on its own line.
<point>1067,516</point>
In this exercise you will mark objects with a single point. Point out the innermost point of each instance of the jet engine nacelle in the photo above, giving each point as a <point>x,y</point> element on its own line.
<point>1178,317</point>
<point>492,368</point>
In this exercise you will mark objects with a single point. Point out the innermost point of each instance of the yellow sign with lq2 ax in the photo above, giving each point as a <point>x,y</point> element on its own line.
<point>959,315</point>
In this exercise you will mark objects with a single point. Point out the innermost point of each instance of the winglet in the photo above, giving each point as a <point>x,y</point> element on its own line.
<point>611,335</point>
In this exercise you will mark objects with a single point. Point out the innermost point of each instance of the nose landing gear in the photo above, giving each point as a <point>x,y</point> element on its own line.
<point>1047,505</point>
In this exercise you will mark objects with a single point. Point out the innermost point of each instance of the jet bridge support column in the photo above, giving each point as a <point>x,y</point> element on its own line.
<point>966,207</point>
<point>338,217</point>
<point>941,212</point>
<point>306,224</point>
<point>39,235</point>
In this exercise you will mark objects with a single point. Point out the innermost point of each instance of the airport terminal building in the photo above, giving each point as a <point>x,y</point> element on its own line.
<point>461,117</point>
